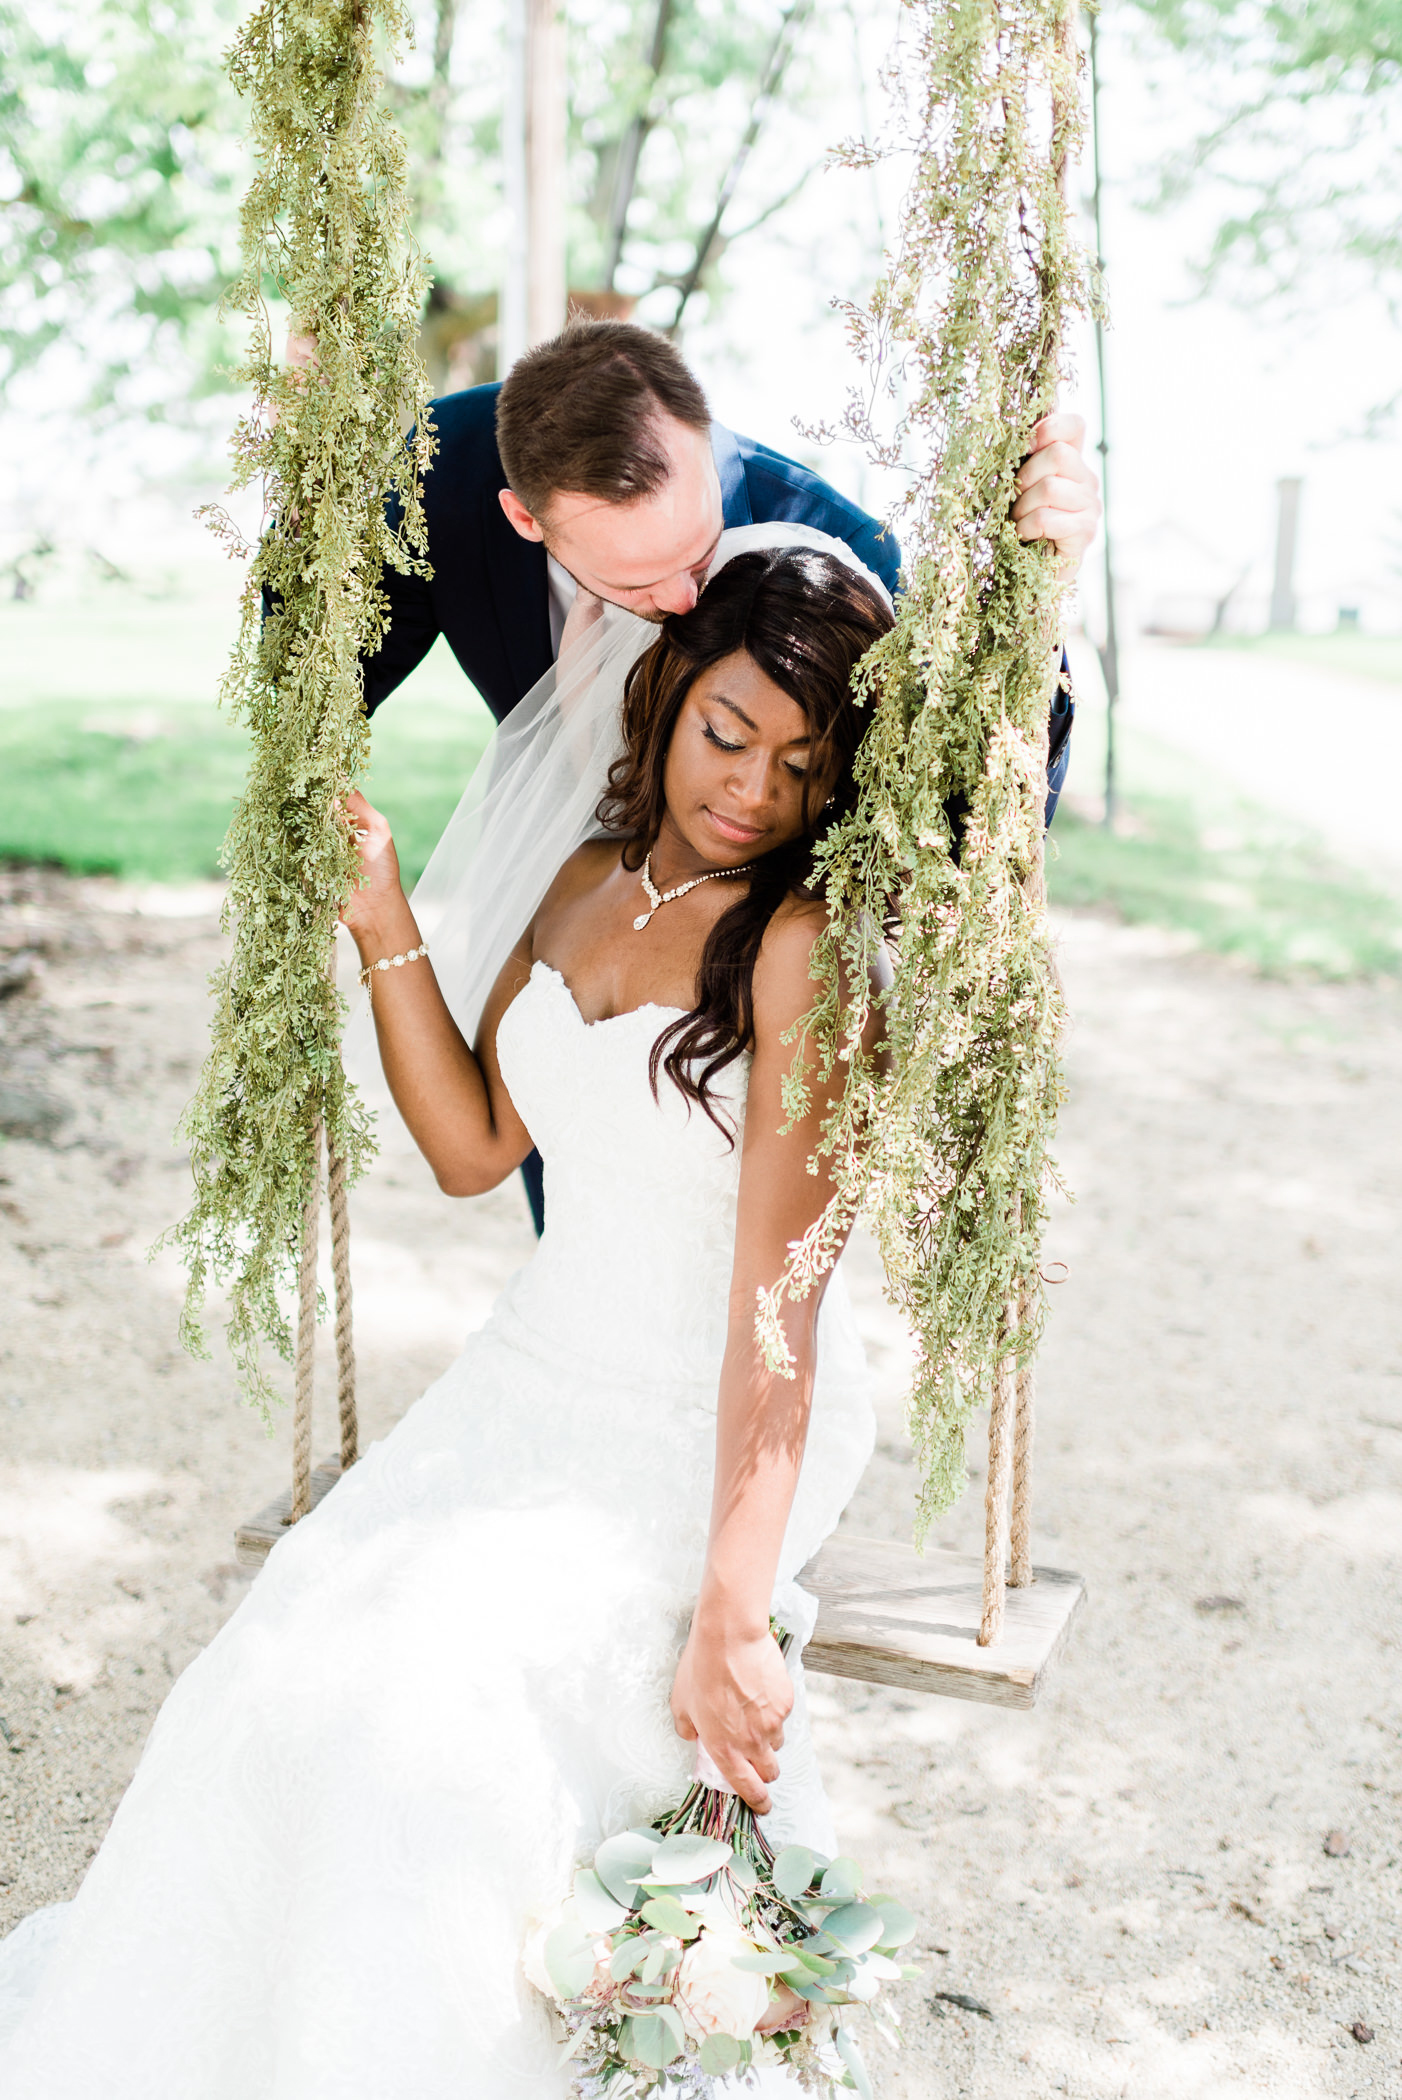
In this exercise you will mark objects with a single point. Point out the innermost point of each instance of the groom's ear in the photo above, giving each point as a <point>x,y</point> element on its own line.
<point>518,517</point>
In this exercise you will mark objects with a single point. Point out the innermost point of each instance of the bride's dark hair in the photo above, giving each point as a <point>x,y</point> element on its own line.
<point>804,618</point>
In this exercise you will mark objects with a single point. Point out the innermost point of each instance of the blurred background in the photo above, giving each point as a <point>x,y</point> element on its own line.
<point>669,160</point>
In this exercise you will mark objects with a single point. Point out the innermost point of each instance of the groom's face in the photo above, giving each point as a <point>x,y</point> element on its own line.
<point>650,556</point>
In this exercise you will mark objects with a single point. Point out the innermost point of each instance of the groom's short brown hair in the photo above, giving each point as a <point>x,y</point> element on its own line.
<point>579,413</point>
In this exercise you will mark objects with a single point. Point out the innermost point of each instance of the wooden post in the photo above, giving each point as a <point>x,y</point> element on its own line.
<point>533,158</point>
<point>1286,528</point>
<point>1109,649</point>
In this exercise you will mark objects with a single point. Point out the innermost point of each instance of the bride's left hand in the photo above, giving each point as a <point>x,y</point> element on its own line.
<point>734,1693</point>
<point>380,891</point>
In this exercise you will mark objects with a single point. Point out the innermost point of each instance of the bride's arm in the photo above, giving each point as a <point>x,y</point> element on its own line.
<point>732,1688</point>
<point>454,1102</point>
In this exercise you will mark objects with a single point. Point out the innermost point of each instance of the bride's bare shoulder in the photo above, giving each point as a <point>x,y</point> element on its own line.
<point>785,984</point>
<point>588,866</point>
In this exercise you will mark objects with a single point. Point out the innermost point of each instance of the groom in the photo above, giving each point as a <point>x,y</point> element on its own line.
<point>595,472</point>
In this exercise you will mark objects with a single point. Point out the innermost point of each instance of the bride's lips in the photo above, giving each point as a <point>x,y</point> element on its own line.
<point>733,833</point>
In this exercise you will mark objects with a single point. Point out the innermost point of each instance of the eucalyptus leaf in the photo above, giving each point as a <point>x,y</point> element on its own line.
<point>569,1959</point>
<point>687,1857</point>
<point>743,1872</point>
<point>899,1923</point>
<point>672,2019</point>
<point>626,1957</point>
<point>855,1927</point>
<point>621,1862</point>
<point>841,1882</point>
<point>852,2056</point>
<point>598,1910</point>
<point>667,1915</point>
<point>719,2053</point>
<point>764,1962</point>
<point>816,1989</point>
<point>810,1958</point>
<point>654,2043</point>
<point>793,1871</point>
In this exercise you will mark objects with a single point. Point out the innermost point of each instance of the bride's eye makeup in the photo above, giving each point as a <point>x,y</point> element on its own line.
<point>713,737</point>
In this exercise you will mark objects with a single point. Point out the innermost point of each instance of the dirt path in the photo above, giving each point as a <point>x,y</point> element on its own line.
<point>1138,1881</point>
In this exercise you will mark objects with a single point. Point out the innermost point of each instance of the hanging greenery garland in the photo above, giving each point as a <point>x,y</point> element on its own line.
<point>947,1149</point>
<point>324,224</point>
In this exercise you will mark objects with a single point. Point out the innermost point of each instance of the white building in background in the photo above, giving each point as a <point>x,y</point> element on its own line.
<point>1171,581</point>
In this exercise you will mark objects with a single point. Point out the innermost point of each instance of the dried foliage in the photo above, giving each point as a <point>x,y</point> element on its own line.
<point>945,1146</point>
<point>324,221</point>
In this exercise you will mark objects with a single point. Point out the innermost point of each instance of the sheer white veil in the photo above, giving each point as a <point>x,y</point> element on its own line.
<point>531,802</point>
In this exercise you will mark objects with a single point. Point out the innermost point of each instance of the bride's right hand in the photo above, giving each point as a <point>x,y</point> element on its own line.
<point>380,890</point>
<point>733,1692</point>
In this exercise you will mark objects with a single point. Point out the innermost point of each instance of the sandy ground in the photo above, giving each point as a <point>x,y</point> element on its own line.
<point>1180,1876</point>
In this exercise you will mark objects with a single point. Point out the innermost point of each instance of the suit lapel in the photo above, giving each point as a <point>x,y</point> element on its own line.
<point>734,492</point>
<point>519,597</point>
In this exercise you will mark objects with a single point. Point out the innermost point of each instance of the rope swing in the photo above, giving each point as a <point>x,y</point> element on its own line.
<point>325,224</point>
<point>946,1152</point>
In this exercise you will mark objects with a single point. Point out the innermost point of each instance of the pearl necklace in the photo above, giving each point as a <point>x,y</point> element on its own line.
<point>657,898</point>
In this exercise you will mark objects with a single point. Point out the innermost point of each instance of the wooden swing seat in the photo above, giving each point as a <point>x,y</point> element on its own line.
<point>886,1614</point>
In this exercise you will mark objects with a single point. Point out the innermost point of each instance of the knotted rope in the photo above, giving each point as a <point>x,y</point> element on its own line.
<point>1020,1533</point>
<point>305,1373</point>
<point>1009,1464</point>
<point>1001,1441</point>
<point>1014,1397</point>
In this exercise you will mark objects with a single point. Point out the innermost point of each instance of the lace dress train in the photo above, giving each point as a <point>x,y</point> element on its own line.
<point>452,1679</point>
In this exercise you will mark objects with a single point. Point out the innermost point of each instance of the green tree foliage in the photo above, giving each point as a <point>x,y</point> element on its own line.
<point>1302,125</point>
<point>947,1147</point>
<point>324,221</point>
<point>120,166</point>
<point>122,160</point>
<point>660,102</point>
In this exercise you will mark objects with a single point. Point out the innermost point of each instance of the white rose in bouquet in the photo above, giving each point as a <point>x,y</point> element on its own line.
<point>533,1954</point>
<point>712,1995</point>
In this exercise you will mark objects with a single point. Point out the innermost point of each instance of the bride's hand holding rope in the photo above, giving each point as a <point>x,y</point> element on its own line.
<point>452,1098</point>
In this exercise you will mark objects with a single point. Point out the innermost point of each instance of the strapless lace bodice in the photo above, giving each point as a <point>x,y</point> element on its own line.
<point>633,1270</point>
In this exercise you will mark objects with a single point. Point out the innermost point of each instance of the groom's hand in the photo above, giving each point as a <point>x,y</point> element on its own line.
<point>1060,496</point>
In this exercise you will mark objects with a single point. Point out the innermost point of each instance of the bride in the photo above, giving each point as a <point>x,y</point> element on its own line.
<point>503,1633</point>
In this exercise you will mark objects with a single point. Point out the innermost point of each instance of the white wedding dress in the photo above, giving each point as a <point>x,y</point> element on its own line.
<point>452,1680</point>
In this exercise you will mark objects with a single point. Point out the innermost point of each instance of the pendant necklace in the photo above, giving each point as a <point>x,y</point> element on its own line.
<point>657,898</point>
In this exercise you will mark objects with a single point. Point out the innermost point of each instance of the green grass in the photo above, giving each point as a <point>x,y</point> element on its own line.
<point>1253,885</point>
<point>115,758</point>
<point>1376,656</point>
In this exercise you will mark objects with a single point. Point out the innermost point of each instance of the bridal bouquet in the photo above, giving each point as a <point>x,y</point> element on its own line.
<point>682,1942</point>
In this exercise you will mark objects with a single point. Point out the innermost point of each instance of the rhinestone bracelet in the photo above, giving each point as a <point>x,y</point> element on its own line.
<point>391,962</point>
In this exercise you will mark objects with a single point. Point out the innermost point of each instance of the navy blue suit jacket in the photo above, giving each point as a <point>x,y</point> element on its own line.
<point>488,595</point>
